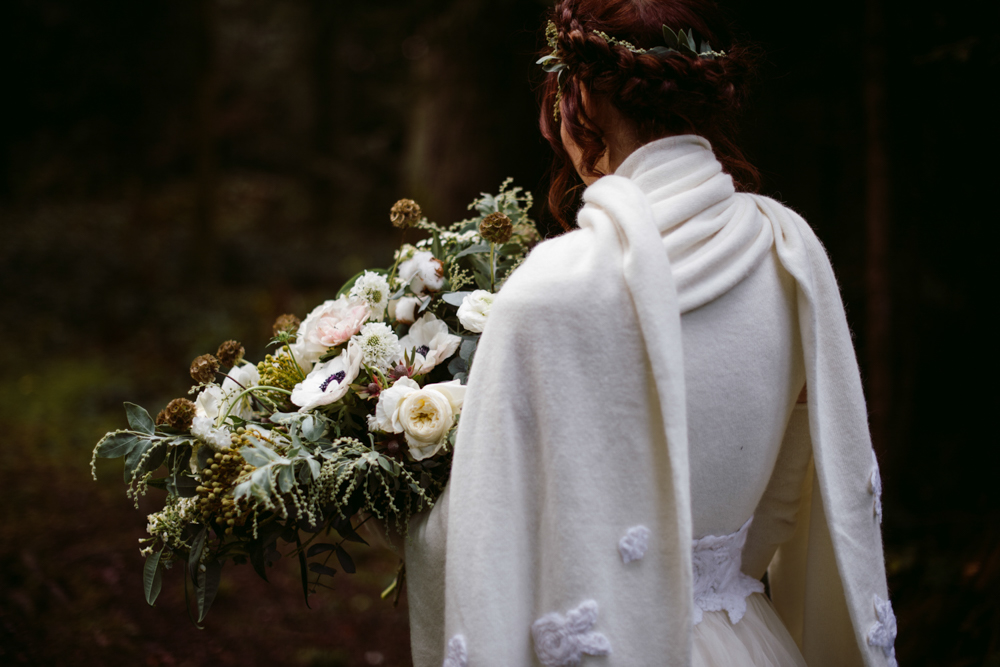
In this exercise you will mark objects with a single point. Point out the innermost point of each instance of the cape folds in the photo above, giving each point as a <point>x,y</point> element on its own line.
<point>663,236</point>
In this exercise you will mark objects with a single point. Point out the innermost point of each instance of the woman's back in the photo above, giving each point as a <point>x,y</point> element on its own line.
<point>743,371</point>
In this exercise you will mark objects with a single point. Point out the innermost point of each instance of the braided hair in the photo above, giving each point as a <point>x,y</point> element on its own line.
<point>660,95</point>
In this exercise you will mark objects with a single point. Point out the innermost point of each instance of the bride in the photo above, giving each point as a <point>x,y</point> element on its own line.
<point>632,457</point>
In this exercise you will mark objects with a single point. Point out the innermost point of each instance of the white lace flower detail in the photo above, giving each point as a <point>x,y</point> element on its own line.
<point>456,655</point>
<point>875,486</point>
<point>562,641</point>
<point>883,631</point>
<point>718,582</point>
<point>634,544</point>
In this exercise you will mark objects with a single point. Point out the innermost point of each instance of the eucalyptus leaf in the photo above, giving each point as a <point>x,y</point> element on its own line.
<point>116,444</point>
<point>454,298</point>
<point>457,365</point>
<point>254,457</point>
<point>152,577</point>
<point>139,419</point>
<point>285,479</point>
<point>312,428</point>
<point>473,250</point>
<point>468,349</point>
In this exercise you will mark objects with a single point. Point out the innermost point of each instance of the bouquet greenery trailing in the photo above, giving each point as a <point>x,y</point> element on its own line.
<point>352,416</point>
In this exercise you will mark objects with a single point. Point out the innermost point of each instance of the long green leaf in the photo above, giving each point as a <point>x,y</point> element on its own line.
<point>209,586</point>
<point>152,577</point>
<point>139,419</point>
<point>194,558</point>
<point>303,570</point>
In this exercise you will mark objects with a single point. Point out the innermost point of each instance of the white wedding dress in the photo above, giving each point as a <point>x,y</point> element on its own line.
<point>631,456</point>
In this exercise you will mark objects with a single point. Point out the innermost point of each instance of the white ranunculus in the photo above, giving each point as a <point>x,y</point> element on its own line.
<point>329,381</point>
<point>217,438</point>
<point>209,402</point>
<point>329,324</point>
<point>430,342</point>
<point>423,272</point>
<point>475,310</point>
<point>214,402</point>
<point>425,416</point>
<point>373,289</point>
<point>404,310</point>
<point>239,378</point>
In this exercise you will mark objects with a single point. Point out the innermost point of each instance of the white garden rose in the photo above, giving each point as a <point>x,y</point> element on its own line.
<point>425,416</point>
<point>475,309</point>
<point>328,325</point>
<point>423,273</point>
<point>329,381</point>
<point>430,342</point>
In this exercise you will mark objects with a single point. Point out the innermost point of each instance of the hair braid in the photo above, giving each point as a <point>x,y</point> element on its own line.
<point>661,95</point>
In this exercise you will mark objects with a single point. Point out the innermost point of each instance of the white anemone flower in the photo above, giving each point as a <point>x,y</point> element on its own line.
<point>373,289</point>
<point>430,342</point>
<point>329,381</point>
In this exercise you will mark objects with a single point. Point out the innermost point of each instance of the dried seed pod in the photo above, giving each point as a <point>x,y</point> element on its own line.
<point>204,368</point>
<point>405,213</point>
<point>230,353</point>
<point>496,228</point>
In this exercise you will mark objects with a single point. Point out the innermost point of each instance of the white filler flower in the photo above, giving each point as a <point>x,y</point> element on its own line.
<point>379,345</point>
<point>430,341</point>
<point>328,381</point>
<point>373,289</point>
<point>425,416</point>
<point>475,309</point>
<point>423,273</point>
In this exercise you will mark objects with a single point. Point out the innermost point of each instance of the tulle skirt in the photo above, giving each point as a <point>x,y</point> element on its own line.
<point>758,640</point>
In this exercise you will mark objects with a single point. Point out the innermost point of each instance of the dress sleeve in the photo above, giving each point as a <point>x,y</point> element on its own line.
<point>779,509</point>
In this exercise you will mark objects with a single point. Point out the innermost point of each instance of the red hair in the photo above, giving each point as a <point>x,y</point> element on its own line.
<point>659,95</point>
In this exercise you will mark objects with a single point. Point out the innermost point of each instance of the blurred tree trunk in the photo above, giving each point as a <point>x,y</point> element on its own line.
<point>877,287</point>
<point>323,16</point>
<point>206,169</point>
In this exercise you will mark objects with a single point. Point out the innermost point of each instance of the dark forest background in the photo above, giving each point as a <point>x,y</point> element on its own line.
<point>177,173</point>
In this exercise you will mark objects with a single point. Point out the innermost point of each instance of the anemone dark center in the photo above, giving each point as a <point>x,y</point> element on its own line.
<point>423,350</point>
<point>337,377</point>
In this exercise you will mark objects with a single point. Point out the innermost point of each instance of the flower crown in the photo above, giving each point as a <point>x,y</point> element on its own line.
<point>676,42</point>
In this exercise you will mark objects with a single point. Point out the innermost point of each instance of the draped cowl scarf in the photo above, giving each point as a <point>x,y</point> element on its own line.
<point>574,431</point>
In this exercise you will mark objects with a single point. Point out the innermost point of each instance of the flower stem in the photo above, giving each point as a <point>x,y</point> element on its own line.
<point>243,393</point>
<point>399,253</point>
<point>291,356</point>
<point>493,266</point>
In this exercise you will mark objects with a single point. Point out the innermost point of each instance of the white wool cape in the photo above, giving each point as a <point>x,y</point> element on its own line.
<point>574,430</point>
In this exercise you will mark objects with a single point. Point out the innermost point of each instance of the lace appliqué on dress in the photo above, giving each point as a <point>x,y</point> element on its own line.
<point>634,544</point>
<point>718,582</point>
<point>875,486</point>
<point>456,655</point>
<point>883,632</point>
<point>562,641</point>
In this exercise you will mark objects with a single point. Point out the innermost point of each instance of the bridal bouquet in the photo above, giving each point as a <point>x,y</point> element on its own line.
<point>352,416</point>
